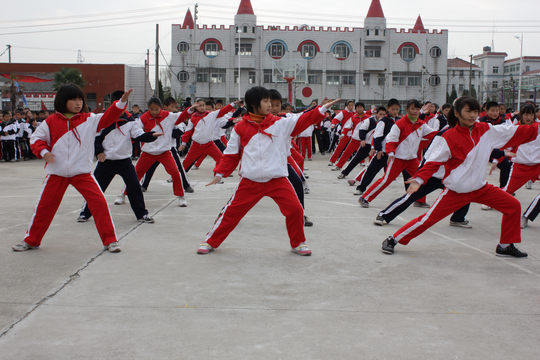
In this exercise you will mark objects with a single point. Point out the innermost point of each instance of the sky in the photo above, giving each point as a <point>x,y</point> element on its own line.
<point>121,31</point>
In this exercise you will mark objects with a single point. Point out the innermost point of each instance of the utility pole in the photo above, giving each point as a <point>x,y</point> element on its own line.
<point>239,82</point>
<point>520,71</point>
<point>470,76</point>
<point>146,65</point>
<point>156,90</point>
<point>9,52</point>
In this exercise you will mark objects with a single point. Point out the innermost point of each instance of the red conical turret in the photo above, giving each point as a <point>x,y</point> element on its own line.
<point>188,21</point>
<point>245,8</point>
<point>375,10</point>
<point>419,26</point>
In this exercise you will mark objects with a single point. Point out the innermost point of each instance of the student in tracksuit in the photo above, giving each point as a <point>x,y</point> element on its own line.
<point>353,142</point>
<point>113,149</point>
<point>65,140</point>
<point>402,147</point>
<point>10,128</point>
<point>340,120</point>
<point>464,151</point>
<point>261,142</point>
<point>379,159</point>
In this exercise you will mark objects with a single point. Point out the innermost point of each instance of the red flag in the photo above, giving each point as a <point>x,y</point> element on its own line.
<point>28,79</point>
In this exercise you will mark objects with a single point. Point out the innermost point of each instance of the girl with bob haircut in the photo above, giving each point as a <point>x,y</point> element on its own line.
<point>261,141</point>
<point>65,140</point>
<point>463,152</point>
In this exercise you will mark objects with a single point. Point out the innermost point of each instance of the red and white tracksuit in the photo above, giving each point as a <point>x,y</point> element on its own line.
<point>303,140</point>
<point>262,148</point>
<point>343,118</point>
<point>402,142</point>
<point>160,149</point>
<point>464,154</point>
<point>353,126</point>
<point>200,129</point>
<point>71,141</point>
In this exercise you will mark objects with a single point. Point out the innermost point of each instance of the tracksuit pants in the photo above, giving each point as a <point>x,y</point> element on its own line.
<point>220,145</point>
<point>361,154</point>
<point>105,173</point>
<point>367,175</point>
<point>353,146</point>
<point>342,144</point>
<point>504,166</point>
<point>304,144</point>
<point>520,174</point>
<point>8,150</point>
<point>534,209</point>
<point>247,195</point>
<point>197,150</point>
<point>450,201</point>
<point>394,168</point>
<point>296,182</point>
<point>150,173</point>
<point>318,136</point>
<point>401,204</point>
<point>298,158</point>
<point>166,159</point>
<point>49,200</point>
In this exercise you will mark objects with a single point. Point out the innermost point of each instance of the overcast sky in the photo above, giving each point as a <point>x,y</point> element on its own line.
<point>53,31</point>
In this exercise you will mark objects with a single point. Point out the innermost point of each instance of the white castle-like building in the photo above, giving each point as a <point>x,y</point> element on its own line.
<point>371,64</point>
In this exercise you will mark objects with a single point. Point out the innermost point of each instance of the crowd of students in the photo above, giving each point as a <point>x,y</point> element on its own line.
<point>446,148</point>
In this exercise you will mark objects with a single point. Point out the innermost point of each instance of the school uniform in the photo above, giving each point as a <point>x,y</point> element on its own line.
<point>363,132</point>
<point>71,141</point>
<point>303,140</point>
<point>263,149</point>
<point>354,136</point>
<point>341,119</point>
<point>464,152</point>
<point>220,127</point>
<point>9,139</point>
<point>200,129</point>
<point>402,142</point>
<point>502,162</point>
<point>115,142</point>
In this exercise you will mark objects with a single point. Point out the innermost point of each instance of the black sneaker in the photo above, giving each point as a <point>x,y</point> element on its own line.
<point>380,221</point>
<point>146,219</point>
<point>363,202</point>
<point>307,222</point>
<point>388,245</point>
<point>510,250</point>
<point>82,218</point>
<point>189,189</point>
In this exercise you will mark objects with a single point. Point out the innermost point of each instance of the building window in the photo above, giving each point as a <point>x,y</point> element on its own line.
<point>332,79</point>
<point>348,79</point>
<point>408,53</point>
<point>182,47</point>
<point>495,69</point>
<point>517,67</point>
<point>435,52</point>
<point>308,51</point>
<point>252,76</point>
<point>460,88</point>
<point>341,50</point>
<point>183,76</point>
<point>376,32</point>
<point>217,76</point>
<point>406,78</point>
<point>381,79</point>
<point>434,80</point>
<point>365,80</point>
<point>202,77</point>
<point>453,87</point>
<point>527,68</point>
<point>276,50</point>
<point>461,73</point>
<point>267,76</point>
<point>512,68</point>
<point>315,77</point>
<point>483,64</point>
<point>506,69</point>
<point>211,49</point>
<point>367,32</point>
<point>495,85</point>
<point>372,51</point>
<point>453,72</point>
<point>236,77</point>
<point>245,29</point>
<point>245,49</point>
<point>472,74</point>
<point>253,29</point>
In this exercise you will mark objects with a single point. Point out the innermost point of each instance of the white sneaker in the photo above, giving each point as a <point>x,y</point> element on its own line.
<point>182,201</point>
<point>485,207</point>
<point>305,168</point>
<point>195,167</point>
<point>358,192</point>
<point>169,180</point>
<point>335,168</point>
<point>23,246</point>
<point>120,199</point>
<point>351,182</point>
<point>524,222</point>
<point>341,176</point>
<point>330,164</point>
<point>306,189</point>
<point>528,185</point>
<point>114,247</point>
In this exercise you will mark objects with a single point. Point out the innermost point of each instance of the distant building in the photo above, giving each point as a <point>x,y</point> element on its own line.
<point>101,80</point>
<point>372,64</point>
<point>459,76</point>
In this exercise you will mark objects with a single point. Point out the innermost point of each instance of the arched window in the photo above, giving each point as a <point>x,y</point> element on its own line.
<point>276,49</point>
<point>183,76</point>
<point>341,50</point>
<point>435,52</point>
<point>211,48</point>
<point>308,49</point>
<point>407,51</point>
<point>182,47</point>
<point>434,80</point>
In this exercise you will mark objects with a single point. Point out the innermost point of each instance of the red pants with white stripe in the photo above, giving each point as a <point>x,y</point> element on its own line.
<point>50,198</point>
<point>342,144</point>
<point>298,158</point>
<point>166,159</point>
<point>450,201</point>
<point>353,146</point>
<point>197,151</point>
<point>520,174</point>
<point>393,169</point>
<point>247,195</point>
<point>304,144</point>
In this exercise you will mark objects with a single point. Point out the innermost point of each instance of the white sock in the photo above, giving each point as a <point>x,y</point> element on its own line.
<point>504,246</point>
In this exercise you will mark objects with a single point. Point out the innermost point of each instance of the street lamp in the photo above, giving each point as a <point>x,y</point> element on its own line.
<point>520,69</point>
<point>239,31</point>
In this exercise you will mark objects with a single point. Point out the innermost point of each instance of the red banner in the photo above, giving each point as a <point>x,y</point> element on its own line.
<point>28,79</point>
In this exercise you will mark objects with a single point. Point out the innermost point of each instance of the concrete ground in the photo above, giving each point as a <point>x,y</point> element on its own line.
<point>444,296</point>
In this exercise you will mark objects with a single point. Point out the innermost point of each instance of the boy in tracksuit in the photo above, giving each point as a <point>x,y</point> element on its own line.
<point>113,149</point>
<point>402,147</point>
<point>261,141</point>
<point>341,119</point>
<point>201,130</point>
<point>10,128</point>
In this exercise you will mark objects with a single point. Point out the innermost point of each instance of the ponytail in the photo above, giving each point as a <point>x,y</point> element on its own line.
<point>458,105</point>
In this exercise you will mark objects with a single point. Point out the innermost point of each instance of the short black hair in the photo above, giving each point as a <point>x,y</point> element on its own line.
<point>219,101</point>
<point>68,92</point>
<point>254,96</point>
<point>459,104</point>
<point>415,103</point>
<point>275,95</point>
<point>392,102</point>
<point>169,101</point>
<point>359,103</point>
<point>491,104</point>
<point>209,102</point>
<point>380,108</point>
<point>285,106</point>
<point>154,100</point>
<point>19,112</point>
<point>5,112</point>
<point>348,102</point>
<point>116,95</point>
<point>135,105</point>
<point>446,106</point>
<point>527,109</point>
<point>41,112</point>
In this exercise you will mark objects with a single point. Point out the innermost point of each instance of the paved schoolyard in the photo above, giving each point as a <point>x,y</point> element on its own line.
<point>444,296</point>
